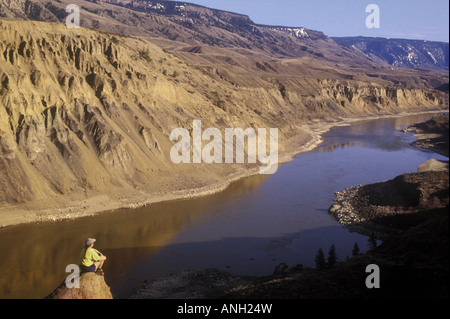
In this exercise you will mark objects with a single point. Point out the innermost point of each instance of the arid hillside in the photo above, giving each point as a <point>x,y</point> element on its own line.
<point>86,115</point>
<point>225,41</point>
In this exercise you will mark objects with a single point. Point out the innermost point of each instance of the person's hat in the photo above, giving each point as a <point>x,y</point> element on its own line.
<point>90,241</point>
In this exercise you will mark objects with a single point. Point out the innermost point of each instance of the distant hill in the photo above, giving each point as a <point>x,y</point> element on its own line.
<point>174,25</point>
<point>402,52</point>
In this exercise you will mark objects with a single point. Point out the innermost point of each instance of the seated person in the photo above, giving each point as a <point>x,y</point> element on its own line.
<point>92,259</point>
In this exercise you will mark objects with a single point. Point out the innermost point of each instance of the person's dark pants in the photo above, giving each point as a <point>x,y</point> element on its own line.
<point>91,268</point>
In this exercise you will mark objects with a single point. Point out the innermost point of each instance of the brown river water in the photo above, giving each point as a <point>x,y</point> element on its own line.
<point>251,227</point>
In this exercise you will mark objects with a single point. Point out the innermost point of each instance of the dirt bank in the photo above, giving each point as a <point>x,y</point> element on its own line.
<point>310,138</point>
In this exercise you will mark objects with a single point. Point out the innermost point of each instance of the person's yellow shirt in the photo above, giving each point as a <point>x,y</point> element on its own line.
<point>90,257</point>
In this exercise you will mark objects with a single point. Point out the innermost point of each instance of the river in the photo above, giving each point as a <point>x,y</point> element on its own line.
<point>251,227</point>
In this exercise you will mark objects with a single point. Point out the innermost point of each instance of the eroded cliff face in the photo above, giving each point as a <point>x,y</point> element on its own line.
<point>84,113</point>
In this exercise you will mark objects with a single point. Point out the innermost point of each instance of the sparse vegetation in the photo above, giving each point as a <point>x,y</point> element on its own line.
<point>332,257</point>
<point>145,54</point>
<point>60,13</point>
<point>114,40</point>
<point>282,89</point>
<point>320,260</point>
<point>372,242</point>
<point>95,24</point>
<point>356,251</point>
<point>220,104</point>
<point>330,262</point>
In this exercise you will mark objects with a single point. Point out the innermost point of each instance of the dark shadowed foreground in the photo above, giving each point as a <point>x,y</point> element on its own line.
<point>413,264</point>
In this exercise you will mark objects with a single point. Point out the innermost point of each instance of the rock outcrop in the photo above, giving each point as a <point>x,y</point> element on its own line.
<point>92,286</point>
<point>432,134</point>
<point>433,165</point>
<point>373,209</point>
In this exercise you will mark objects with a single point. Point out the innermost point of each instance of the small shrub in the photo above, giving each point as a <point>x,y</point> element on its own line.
<point>144,54</point>
<point>114,40</point>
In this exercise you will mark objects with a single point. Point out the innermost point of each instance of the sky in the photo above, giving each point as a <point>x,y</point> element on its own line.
<point>409,19</point>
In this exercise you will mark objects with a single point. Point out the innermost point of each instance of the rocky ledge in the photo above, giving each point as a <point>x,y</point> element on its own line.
<point>92,286</point>
<point>373,209</point>
<point>433,134</point>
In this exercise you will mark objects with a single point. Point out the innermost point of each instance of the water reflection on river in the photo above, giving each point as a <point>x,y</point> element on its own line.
<point>249,228</point>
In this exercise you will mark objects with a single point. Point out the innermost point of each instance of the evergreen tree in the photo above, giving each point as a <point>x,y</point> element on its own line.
<point>372,242</point>
<point>332,257</point>
<point>355,251</point>
<point>320,260</point>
